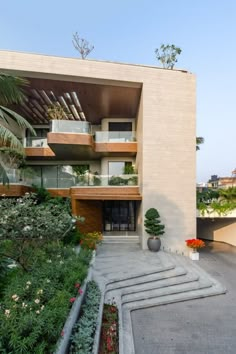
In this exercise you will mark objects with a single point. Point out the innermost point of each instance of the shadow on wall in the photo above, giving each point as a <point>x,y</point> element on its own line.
<point>218,229</point>
<point>176,228</point>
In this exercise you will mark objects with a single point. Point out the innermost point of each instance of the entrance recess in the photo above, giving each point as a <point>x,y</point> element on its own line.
<point>119,215</point>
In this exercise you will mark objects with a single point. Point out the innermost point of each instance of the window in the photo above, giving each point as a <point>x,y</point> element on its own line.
<point>120,126</point>
<point>117,167</point>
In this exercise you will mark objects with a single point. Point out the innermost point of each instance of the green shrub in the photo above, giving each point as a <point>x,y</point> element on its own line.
<point>84,331</point>
<point>153,224</point>
<point>35,304</point>
<point>26,226</point>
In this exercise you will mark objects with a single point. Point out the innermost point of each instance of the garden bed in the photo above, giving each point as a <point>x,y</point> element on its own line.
<point>35,304</point>
<point>109,340</point>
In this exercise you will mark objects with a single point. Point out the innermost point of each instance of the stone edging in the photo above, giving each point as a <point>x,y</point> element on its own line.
<point>63,342</point>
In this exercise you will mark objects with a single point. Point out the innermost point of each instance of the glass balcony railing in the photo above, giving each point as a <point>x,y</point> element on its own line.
<point>105,180</point>
<point>115,137</point>
<point>70,126</point>
<point>36,141</point>
<point>16,176</point>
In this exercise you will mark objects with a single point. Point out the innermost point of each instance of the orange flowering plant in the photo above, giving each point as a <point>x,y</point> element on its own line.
<point>195,243</point>
<point>91,240</point>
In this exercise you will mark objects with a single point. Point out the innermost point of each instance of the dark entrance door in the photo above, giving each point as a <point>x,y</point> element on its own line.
<point>119,215</point>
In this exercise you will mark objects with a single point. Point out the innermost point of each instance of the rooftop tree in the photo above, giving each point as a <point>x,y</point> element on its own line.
<point>167,55</point>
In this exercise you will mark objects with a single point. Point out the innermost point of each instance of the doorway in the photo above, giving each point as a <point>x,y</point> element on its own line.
<point>119,215</point>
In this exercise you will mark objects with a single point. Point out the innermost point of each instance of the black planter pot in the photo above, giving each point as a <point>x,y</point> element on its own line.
<point>154,244</point>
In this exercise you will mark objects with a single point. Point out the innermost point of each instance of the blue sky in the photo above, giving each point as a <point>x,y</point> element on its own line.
<point>129,31</point>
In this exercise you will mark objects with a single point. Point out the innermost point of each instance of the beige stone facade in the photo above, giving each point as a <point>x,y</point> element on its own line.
<point>165,131</point>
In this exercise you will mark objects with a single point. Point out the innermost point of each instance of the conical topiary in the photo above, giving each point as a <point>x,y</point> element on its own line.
<point>153,224</point>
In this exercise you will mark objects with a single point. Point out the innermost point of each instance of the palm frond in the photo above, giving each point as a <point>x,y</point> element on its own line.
<point>199,140</point>
<point>6,113</point>
<point>11,89</point>
<point>7,138</point>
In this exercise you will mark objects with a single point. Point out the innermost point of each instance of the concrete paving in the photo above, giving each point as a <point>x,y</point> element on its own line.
<point>205,326</point>
<point>138,279</point>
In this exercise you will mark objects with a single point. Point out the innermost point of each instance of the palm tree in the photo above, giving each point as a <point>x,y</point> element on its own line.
<point>199,140</point>
<point>11,92</point>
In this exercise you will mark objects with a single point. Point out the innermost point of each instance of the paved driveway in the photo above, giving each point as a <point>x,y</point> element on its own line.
<point>206,326</point>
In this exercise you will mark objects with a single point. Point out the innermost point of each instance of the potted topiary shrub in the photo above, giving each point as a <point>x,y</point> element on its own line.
<point>154,228</point>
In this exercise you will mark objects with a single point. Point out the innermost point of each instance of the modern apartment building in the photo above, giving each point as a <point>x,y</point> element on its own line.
<point>126,141</point>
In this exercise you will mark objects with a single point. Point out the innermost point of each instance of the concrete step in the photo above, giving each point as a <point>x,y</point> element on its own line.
<point>118,268</point>
<point>121,239</point>
<point>190,294</point>
<point>165,291</point>
<point>162,283</point>
<point>147,279</point>
<point>134,275</point>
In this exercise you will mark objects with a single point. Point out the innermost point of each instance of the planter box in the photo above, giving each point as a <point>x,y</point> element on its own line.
<point>194,256</point>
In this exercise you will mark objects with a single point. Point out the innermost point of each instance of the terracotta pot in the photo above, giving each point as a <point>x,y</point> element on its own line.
<point>154,244</point>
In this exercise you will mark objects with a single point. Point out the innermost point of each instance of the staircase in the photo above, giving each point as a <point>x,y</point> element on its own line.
<point>121,239</point>
<point>137,279</point>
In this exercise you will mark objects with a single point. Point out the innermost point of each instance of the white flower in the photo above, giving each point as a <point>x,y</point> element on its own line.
<point>15,297</point>
<point>40,291</point>
<point>73,220</point>
<point>28,283</point>
<point>49,261</point>
<point>61,262</point>
<point>37,301</point>
<point>27,287</point>
<point>24,304</point>
<point>7,313</point>
<point>27,228</point>
<point>42,307</point>
<point>48,281</point>
<point>58,256</point>
<point>37,311</point>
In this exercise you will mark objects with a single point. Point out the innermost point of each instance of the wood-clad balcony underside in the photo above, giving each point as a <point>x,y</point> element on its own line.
<point>14,190</point>
<point>81,147</point>
<point>36,152</point>
<point>106,193</point>
<point>83,193</point>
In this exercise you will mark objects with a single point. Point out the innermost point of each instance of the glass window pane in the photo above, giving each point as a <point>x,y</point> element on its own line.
<point>49,176</point>
<point>66,176</point>
<point>116,168</point>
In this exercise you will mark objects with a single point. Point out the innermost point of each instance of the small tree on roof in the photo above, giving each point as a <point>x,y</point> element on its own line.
<point>82,45</point>
<point>167,55</point>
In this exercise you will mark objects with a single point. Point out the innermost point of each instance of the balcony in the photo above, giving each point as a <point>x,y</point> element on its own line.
<point>119,142</point>
<point>37,146</point>
<point>70,139</point>
<point>92,180</point>
<point>18,185</point>
<point>103,187</point>
<point>70,126</point>
<point>115,137</point>
<point>73,140</point>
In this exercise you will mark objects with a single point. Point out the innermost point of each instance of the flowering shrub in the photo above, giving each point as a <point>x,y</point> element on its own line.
<point>91,240</point>
<point>26,226</point>
<point>84,330</point>
<point>195,243</point>
<point>35,304</point>
<point>109,333</point>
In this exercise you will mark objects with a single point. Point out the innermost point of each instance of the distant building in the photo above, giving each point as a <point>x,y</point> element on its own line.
<point>222,182</point>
